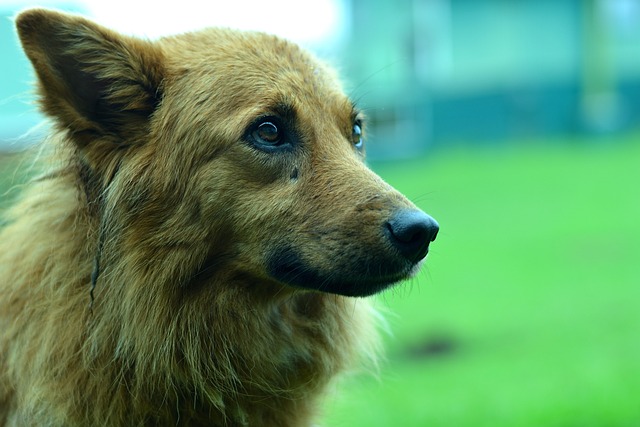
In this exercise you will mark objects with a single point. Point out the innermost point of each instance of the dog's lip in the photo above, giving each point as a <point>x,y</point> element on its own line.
<point>362,286</point>
<point>287,267</point>
<point>386,280</point>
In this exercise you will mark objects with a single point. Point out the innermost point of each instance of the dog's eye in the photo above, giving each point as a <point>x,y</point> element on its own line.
<point>270,134</point>
<point>267,133</point>
<point>356,135</point>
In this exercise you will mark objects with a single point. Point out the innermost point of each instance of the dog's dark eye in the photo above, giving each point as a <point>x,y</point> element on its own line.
<point>272,133</point>
<point>267,133</point>
<point>356,135</point>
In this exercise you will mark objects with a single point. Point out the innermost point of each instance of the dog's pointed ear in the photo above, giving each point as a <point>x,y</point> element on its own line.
<point>96,83</point>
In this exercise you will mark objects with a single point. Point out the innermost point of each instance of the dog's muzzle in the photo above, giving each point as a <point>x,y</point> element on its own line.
<point>404,239</point>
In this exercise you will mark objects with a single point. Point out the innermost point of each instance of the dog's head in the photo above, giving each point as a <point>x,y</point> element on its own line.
<point>226,151</point>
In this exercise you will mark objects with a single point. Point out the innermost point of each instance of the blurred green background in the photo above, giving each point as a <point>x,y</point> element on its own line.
<point>516,124</point>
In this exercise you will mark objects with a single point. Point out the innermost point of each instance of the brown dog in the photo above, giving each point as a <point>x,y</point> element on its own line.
<point>189,256</point>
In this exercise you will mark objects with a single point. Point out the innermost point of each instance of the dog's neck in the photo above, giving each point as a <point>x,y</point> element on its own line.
<point>276,353</point>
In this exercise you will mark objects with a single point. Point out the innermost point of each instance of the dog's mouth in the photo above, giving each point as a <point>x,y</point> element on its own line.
<point>358,278</point>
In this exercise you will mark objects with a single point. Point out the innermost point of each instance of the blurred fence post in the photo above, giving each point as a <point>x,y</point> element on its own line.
<point>599,103</point>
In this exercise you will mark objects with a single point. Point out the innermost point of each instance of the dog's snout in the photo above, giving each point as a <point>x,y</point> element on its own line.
<point>411,231</point>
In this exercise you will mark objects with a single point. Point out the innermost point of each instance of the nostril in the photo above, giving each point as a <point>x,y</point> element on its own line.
<point>410,235</point>
<point>411,231</point>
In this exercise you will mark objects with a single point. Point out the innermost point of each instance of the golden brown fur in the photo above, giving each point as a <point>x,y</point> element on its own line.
<point>142,277</point>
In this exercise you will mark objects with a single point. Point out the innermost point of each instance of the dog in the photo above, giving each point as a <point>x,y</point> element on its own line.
<point>197,250</point>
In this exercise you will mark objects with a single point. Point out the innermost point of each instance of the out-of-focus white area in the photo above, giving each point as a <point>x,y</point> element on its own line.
<point>302,21</point>
<point>312,23</point>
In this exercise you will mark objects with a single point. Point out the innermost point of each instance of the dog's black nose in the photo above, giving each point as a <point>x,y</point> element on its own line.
<point>411,231</point>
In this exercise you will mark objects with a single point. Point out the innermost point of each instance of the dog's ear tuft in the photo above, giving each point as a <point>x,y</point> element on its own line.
<point>96,83</point>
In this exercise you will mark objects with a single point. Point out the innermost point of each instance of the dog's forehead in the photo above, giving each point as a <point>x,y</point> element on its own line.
<point>258,63</point>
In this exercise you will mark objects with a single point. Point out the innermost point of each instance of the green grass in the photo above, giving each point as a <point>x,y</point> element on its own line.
<point>532,290</point>
<point>533,286</point>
